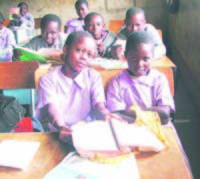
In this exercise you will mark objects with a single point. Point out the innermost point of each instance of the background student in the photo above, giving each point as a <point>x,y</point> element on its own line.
<point>77,24</point>
<point>51,37</point>
<point>7,42</point>
<point>72,92</point>
<point>25,19</point>
<point>94,24</point>
<point>135,21</point>
<point>140,84</point>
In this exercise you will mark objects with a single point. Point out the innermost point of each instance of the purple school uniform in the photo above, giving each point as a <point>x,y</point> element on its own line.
<point>74,98</point>
<point>145,91</point>
<point>74,25</point>
<point>7,44</point>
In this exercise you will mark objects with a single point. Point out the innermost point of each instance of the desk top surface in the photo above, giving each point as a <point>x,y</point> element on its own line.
<point>170,163</point>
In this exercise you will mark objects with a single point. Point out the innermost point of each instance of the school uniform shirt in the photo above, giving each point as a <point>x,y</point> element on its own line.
<point>159,47</point>
<point>74,98</point>
<point>28,23</point>
<point>108,39</point>
<point>38,43</point>
<point>74,25</point>
<point>7,44</point>
<point>145,91</point>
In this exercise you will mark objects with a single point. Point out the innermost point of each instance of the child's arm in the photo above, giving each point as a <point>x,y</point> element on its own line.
<point>6,52</point>
<point>160,49</point>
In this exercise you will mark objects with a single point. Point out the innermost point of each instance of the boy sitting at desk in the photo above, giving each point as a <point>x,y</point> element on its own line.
<point>25,19</point>
<point>135,21</point>
<point>77,24</point>
<point>94,24</point>
<point>7,42</point>
<point>51,37</point>
<point>140,84</point>
<point>72,92</point>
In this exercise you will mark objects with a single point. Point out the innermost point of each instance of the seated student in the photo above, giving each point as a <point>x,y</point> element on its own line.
<point>77,24</point>
<point>94,24</point>
<point>135,21</point>
<point>7,42</point>
<point>51,36</point>
<point>25,19</point>
<point>140,84</point>
<point>72,92</point>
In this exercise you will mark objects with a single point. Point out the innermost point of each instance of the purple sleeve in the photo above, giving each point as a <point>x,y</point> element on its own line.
<point>115,100</point>
<point>97,88</point>
<point>46,92</point>
<point>163,93</point>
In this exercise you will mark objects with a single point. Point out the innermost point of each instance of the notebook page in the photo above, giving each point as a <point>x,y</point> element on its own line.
<point>93,136</point>
<point>17,154</point>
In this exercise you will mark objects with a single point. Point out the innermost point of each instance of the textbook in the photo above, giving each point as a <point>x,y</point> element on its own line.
<point>73,166</point>
<point>109,64</point>
<point>43,55</point>
<point>113,136</point>
<point>17,154</point>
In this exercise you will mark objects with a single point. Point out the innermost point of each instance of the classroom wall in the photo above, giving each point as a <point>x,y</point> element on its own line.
<point>183,40</point>
<point>114,9</point>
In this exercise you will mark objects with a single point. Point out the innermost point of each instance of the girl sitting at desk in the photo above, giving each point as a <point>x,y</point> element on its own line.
<point>76,24</point>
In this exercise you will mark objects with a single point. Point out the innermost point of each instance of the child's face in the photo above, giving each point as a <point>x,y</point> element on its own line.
<point>50,33</point>
<point>139,59</point>
<point>135,23</point>
<point>82,10</point>
<point>95,26</point>
<point>23,9</point>
<point>79,53</point>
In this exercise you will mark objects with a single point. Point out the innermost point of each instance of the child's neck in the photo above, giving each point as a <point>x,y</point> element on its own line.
<point>69,72</point>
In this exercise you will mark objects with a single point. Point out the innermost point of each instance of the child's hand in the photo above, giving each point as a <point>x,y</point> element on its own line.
<point>65,133</point>
<point>100,48</point>
<point>116,51</point>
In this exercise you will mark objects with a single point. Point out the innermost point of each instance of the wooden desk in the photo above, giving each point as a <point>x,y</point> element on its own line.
<point>167,164</point>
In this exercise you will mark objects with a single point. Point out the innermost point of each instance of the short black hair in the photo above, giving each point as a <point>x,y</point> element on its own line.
<point>74,36</point>
<point>90,15</point>
<point>1,17</point>
<point>22,3</point>
<point>49,18</point>
<point>136,38</point>
<point>134,11</point>
<point>79,2</point>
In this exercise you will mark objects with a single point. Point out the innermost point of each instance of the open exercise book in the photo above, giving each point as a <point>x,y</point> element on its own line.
<point>75,167</point>
<point>111,136</point>
<point>17,154</point>
<point>44,55</point>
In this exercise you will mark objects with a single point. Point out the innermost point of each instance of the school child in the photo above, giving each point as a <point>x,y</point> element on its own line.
<point>94,24</point>
<point>51,37</point>
<point>140,84</point>
<point>76,24</point>
<point>72,92</point>
<point>25,19</point>
<point>7,42</point>
<point>135,21</point>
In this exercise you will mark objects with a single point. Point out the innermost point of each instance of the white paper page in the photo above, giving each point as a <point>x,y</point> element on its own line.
<point>93,136</point>
<point>109,63</point>
<point>17,154</point>
<point>73,166</point>
<point>133,135</point>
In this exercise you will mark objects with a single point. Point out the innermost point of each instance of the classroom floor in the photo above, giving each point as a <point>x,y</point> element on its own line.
<point>187,125</point>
